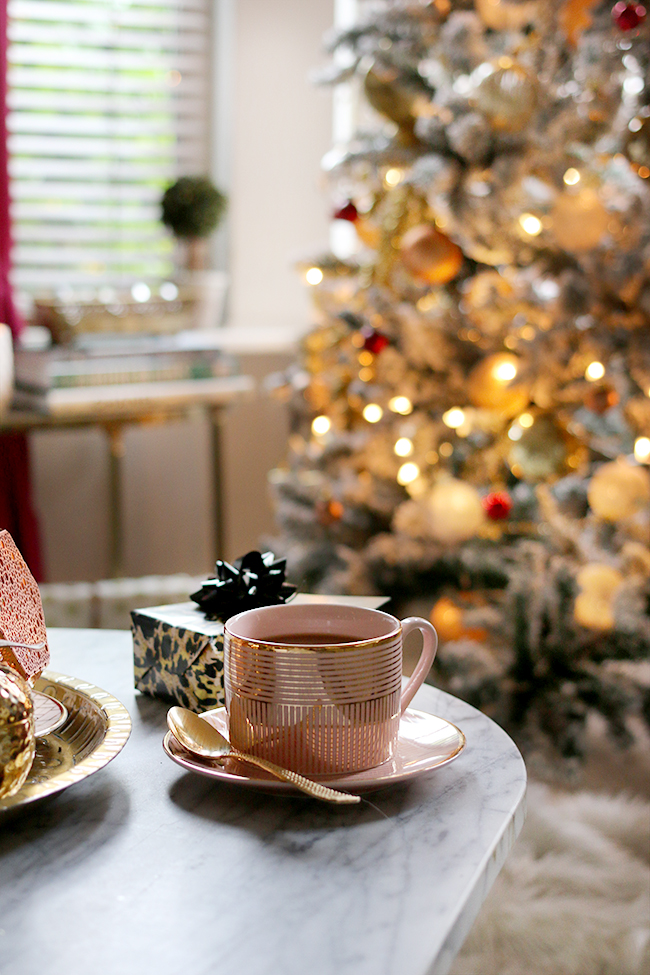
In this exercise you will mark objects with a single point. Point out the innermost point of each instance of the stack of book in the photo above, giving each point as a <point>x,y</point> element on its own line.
<point>101,361</point>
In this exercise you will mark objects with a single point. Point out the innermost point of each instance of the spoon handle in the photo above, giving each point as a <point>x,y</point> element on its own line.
<point>314,789</point>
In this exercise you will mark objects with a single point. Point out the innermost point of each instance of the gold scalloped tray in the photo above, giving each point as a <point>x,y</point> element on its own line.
<point>96,730</point>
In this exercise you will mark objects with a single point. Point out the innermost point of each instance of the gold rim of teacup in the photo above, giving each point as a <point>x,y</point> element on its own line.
<point>277,647</point>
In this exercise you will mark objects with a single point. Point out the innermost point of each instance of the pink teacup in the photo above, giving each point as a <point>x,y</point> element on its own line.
<point>318,688</point>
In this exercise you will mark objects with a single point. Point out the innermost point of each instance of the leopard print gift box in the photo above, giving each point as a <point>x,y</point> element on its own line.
<point>178,655</point>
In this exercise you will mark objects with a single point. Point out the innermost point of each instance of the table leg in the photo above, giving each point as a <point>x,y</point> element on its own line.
<point>115,434</point>
<point>219,534</point>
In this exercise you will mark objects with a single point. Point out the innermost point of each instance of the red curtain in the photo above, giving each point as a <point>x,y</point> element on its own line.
<point>16,507</point>
<point>8,313</point>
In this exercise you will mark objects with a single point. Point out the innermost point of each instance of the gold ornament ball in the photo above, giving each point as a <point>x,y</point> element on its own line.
<point>618,489</point>
<point>369,233</point>
<point>593,606</point>
<point>505,15</point>
<point>387,93</point>
<point>544,450</point>
<point>637,143</point>
<point>447,618</point>
<point>455,511</point>
<point>508,98</point>
<point>17,738</point>
<point>492,384</point>
<point>318,394</point>
<point>429,255</point>
<point>579,220</point>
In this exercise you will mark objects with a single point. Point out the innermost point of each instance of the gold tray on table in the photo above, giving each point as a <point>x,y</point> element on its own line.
<point>96,729</point>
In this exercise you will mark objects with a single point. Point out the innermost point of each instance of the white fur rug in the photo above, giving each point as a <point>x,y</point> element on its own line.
<point>574,895</point>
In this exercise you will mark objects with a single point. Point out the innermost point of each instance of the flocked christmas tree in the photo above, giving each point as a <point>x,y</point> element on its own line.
<point>471,412</point>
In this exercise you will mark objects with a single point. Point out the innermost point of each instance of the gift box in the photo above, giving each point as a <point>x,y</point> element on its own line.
<point>178,653</point>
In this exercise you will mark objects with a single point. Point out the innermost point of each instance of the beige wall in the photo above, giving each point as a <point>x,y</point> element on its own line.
<point>281,130</point>
<point>281,127</point>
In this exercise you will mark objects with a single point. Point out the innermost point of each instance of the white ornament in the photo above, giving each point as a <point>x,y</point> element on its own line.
<point>455,511</point>
<point>618,490</point>
<point>598,586</point>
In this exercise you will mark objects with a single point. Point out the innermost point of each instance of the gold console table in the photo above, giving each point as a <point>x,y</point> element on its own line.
<point>114,407</point>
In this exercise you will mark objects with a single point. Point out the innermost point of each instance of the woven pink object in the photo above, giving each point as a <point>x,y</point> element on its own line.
<point>317,689</point>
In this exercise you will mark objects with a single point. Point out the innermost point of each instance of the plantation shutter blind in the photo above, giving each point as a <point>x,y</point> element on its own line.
<point>108,101</point>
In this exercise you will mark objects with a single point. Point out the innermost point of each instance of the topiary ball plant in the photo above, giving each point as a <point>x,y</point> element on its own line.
<point>192,208</point>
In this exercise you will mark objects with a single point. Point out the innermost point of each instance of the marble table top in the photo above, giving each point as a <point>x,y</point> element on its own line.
<point>143,867</point>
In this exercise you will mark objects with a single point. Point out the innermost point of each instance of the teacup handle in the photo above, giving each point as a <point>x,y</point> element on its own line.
<point>429,648</point>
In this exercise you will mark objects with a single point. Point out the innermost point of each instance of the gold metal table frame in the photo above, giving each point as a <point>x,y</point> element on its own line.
<point>114,407</point>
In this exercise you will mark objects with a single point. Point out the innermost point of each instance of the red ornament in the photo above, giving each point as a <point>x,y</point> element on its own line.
<point>600,399</point>
<point>627,16</point>
<point>374,341</point>
<point>328,512</point>
<point>347,212</point>
<point>497,505</point>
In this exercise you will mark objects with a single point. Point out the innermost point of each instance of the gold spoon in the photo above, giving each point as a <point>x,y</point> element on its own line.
<point>200,737</point>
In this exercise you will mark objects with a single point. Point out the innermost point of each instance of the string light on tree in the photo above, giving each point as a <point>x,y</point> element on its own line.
<point>321,425</point>
<point>393,176</point>
<point>403,447</point>
<point>313,275</point>
<point>372,413</point>
<point>400,404</point>
<point>571,176</point>
<point>408,473</point>
<point>531,224</point>
<point>594,371</point>
<point>642,450</point>
<point>453,418</point>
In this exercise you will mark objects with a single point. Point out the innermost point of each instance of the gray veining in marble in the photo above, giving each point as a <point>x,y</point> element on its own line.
<point>145,868</point>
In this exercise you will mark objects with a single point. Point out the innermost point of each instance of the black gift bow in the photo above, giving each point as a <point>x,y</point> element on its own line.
<point>251,581</point>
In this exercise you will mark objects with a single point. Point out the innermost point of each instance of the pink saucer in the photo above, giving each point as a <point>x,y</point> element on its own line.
<point>425,742</point>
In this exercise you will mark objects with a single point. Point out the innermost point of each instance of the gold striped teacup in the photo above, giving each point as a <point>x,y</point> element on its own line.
<point>318,688</point>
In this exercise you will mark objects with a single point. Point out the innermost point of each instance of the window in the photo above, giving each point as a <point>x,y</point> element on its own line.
<point>108,102</point>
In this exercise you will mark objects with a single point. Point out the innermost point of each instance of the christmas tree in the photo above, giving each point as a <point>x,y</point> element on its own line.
<point>471,412</point>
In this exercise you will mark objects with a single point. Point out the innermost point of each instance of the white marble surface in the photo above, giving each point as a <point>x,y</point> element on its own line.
<point>145,868</point>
